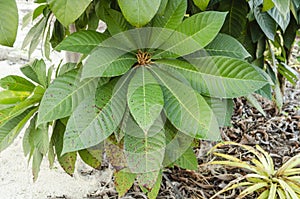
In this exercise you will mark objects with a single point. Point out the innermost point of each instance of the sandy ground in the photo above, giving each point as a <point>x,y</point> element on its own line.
<point>15,172</point>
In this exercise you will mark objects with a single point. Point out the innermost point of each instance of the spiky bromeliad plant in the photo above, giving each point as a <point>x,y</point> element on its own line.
<point>153,82</point>
<point>263,178</point>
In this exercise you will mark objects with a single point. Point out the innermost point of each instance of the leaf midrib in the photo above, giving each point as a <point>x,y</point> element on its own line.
<point>182,104</point>
<point>209,75</point>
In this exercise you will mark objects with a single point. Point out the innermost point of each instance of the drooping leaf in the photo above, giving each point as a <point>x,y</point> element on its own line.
<point>83,41</point>
<point>177,144</point>
<point>64,95</point>
<point>219,77</point>
<point>139,12</point>
<point>236,20</point>
<point>282,20</point>
<point>283,7</point>
<point>266,23</point>
<point>145,98</point>
<point>155,189</point>
<point>96,118</point>
<point>202,4</point>
<point>36,164</point>
<point>10,130</point>
<point>186,109</point>
<point>193,34</point>
<point>115,154</point>
<point>67,161</point>
<point>16,83</point>
<point>255,103</point>
<point>36,138</point>
<point>34,36</point>
<point>265,92</point>
<point>107,62</point>
<point>290,33</point>
<point>9,20</point>
<point>222,108</point>
<point>124,180</point>
<point>93,155</point>
<point>27,143</point>
<point>172,16</point>
<point>58,34</point>
<point>188,160</point>
<point>144,149</point>
<point>223,45</point>
<point>67,11</point>
<point>36,71</point>
<point>148,180</point>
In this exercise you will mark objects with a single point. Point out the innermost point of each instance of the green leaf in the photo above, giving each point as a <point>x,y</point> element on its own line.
<point>283,6</point>
<point>222,108</point>
<point>64,95</point>
<point>188,160</point>
<point>92,156</point>
<point>236,20</point>
<point>266,23</point>
<point>58,34</point>
<point>148,180</point>
<point>10,130</point>
<point>219,77</point>
<point>177,144</point>
<point>290,33</point>
<point>144,149</point>
<point>162,7</point>
<point>29,102</point>
<point>8,97</point>
<point>36,164</point>
<point>67,67</point>
<point>155,189</point>
<point>202,4</point>
<point>27,143</point>
<point>107,62</point>
<point>36,71</point>
<point>172,16</point>
<point>16,83</point>
<point>36,138</point>
<point>265,92</point>
<point>139,12</point>
<point>282,20</point>
<point>34,36</point>
<point>189,37</point>
<point>223,45</point>
<point>145,98</point>
<point>9,20</point>
<point>124,180</point>
<point>38,11</point>
<point>67,160</point>
<point>83,41</point>
<point>67,11</point>
<point>51,154</point>
<point>267,5</point>
<point>186,109</point>
<point>255,103</point>
<point>96,119</point>
<point>115,21</point>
